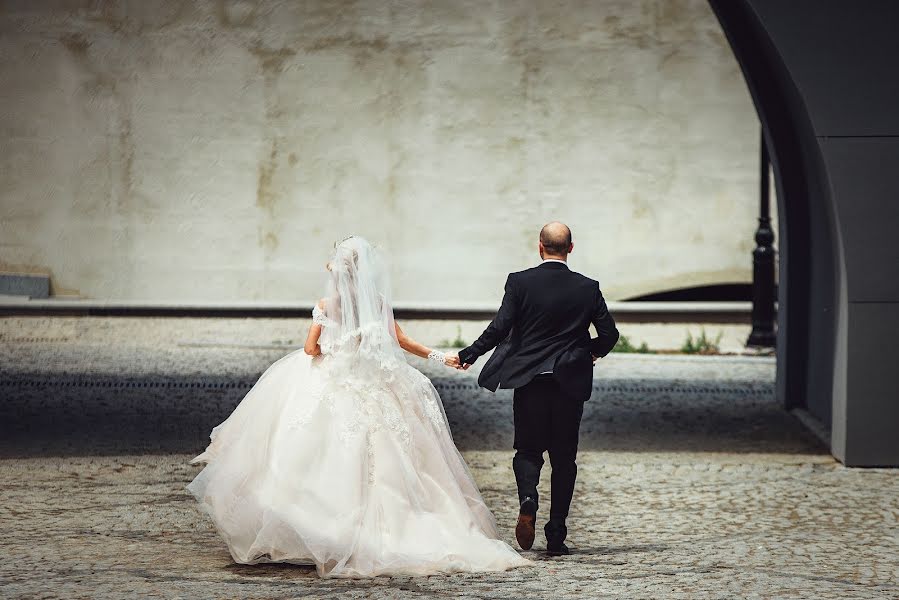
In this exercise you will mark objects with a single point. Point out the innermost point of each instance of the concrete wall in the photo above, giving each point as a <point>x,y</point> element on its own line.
<point>180,150</point>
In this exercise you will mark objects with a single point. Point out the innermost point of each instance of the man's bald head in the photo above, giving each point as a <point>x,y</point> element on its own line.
<point>555,238</point>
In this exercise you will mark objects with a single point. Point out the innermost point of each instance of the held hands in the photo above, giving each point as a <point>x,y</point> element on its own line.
<point>452,360</point>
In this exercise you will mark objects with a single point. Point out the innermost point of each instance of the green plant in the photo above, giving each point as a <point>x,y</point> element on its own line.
<point>702,344</point>
<point>456,343</point>
<point>625,345</point>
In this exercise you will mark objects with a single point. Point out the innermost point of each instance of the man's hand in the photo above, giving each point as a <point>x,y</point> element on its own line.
<point>465,366</point>
<point>595,358</point>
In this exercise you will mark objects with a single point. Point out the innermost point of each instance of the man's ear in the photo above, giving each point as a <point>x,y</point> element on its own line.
<point>540,249</point>
<point>570,247</point>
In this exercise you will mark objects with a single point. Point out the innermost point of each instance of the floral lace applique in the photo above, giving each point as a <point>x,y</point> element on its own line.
<point>374,409</point>
<point>432,409</point>
<point>319,317</point>
<point>350,424</point>
<point>370,448</point>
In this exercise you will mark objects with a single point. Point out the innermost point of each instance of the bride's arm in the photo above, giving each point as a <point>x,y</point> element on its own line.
<point>418,349</point>
<point>315,331</point>
<point>410,345</point>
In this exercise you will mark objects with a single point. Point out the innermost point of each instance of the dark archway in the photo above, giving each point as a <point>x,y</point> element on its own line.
<point>822,78</point>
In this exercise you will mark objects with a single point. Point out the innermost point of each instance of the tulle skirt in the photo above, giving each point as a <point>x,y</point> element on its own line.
<point>348,465</point>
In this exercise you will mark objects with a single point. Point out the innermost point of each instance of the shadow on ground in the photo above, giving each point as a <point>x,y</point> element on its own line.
<point>78,414</point>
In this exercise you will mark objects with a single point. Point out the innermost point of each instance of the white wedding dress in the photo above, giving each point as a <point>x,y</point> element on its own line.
<point>345,460</point>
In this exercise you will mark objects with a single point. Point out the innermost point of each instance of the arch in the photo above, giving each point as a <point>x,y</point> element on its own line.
<point>831,134</point>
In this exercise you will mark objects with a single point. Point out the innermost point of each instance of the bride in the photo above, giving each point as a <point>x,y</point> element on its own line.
<point>341,456</point>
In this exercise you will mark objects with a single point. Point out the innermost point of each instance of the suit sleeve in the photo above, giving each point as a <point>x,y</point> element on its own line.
<point>606,332</point>
<point>498,329</point>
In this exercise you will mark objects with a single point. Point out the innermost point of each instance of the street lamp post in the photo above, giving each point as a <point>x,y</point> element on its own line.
<point>763,315</point>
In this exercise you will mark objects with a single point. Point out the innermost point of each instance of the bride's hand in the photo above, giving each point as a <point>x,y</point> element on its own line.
<point>452,360</point>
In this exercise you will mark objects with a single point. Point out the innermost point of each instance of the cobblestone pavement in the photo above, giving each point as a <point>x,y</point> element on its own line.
<point>120,385</point>
<point>693,483</point>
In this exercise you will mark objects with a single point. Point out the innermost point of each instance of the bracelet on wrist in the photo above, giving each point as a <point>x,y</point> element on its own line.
<point>437,356</point>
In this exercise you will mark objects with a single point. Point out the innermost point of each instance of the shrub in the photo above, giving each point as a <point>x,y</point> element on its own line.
<point>456,343</point>
<point>702,344</point>
<point>625,345</point>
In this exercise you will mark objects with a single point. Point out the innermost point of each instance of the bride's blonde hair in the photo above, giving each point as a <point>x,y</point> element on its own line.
<point>345,259</point>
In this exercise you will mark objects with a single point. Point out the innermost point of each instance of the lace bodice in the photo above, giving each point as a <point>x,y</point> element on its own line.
<point>372,341</point>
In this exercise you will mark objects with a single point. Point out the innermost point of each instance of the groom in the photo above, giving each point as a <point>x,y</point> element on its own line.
<point>545,353</point>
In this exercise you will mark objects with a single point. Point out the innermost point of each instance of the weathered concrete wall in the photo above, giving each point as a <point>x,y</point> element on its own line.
<point>215,150</point>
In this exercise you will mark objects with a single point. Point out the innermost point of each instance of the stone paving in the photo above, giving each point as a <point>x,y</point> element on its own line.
<point>159,385</point>
<point>693,483</point>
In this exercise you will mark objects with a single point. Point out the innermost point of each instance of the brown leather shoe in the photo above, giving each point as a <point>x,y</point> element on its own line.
<point>527,518</point>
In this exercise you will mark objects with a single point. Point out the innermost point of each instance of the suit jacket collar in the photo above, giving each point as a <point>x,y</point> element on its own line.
<point>552,264</point>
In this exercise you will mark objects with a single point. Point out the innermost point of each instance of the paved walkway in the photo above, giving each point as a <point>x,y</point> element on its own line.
<point>693,482</point>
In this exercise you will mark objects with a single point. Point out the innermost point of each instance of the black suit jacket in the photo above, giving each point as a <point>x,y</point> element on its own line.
<point>543,325</point>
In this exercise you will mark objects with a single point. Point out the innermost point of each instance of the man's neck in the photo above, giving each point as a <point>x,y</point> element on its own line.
<point>560,259</point>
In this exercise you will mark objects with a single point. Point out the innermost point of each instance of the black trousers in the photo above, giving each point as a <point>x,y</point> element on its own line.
<point>546,419</point>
